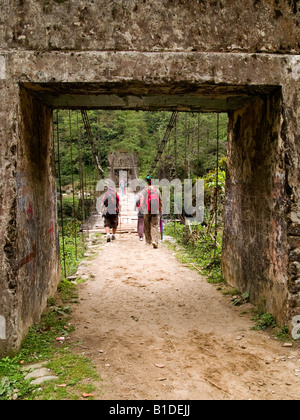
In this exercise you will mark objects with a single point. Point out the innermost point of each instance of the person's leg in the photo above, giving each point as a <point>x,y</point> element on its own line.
<point>114,225</point>
<point>147,228</point>
<point>140,227</point>
<point>154,229</point>
<point>107,230</point>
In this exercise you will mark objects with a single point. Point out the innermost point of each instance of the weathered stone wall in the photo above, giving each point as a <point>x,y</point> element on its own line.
<point>291,136</point>
<point>236,57</point>
<point>8,223</point>
<point>152,25</point>
<point>255,254</point>
<point>29,259</point>
<point>38,256</point>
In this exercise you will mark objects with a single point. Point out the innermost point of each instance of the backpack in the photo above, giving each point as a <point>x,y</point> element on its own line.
<point>111,203</point>
<point>138,201</point>
<point>153,201</point>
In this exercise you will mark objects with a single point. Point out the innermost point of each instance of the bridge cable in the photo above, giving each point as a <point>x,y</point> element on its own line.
<point>217,186</point>
<point>164,141</point>
<point>88,129</point>
<point>73,186</point>
<point>60,195</point>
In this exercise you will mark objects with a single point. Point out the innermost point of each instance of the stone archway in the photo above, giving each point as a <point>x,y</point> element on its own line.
<point>261,240</point>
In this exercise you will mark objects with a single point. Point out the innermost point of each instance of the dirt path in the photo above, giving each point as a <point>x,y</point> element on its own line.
<point>157,330</point>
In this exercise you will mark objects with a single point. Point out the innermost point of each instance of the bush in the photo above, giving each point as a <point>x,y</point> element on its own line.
<point>263,321</point>
<point>201,247</point>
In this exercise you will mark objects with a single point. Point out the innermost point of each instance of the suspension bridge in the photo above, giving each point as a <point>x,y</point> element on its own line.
<point>84,202</point>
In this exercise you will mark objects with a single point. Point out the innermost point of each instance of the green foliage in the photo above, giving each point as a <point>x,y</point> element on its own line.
<point>138,131</point>
<point>41,345</point>
<point>200,247</point>
<point>67,291</point>
<point>211,180</point>
<point>12,382</point>
<point>74,248</point>
<point>264,321</point>
<point>196,139</point>
<point>75,371</point>
<point>241,299</point>
<point>283,333</point>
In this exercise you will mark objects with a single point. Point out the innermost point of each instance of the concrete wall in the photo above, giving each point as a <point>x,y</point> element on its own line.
<point>30,267</point>
<point>151,25</point>
<point>38,240</point>
<point>255,254</point>
<point>8,223</point>
<point>236,57</point>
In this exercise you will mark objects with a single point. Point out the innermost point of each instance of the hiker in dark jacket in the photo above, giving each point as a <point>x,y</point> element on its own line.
<point>110,209</point>
<point>151,207</point>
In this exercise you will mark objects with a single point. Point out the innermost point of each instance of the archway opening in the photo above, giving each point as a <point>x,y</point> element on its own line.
<point>254,247</point>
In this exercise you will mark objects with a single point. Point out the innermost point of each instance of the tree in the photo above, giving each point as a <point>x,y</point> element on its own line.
<point>190,152</point>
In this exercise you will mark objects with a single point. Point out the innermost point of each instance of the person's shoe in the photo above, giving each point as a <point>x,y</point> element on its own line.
<point>141,239</point>
<point>108,238</point>
<point>154,244</point>
<point>113,237</point>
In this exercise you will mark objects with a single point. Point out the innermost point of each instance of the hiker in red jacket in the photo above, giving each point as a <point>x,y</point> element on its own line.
<point>151,207</point>
<point>110,208</point>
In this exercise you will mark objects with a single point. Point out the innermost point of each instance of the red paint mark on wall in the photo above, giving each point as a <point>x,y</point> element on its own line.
<point>51,230</point>
<point>29,212</point>
<point>26,260</point>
